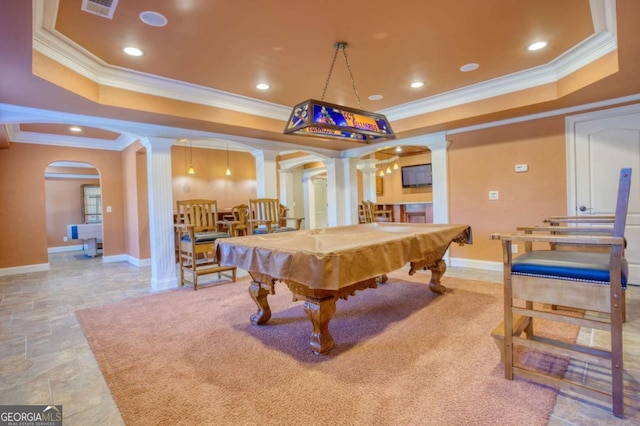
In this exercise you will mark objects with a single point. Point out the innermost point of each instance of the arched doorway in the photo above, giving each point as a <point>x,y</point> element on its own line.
<point>73,197</point>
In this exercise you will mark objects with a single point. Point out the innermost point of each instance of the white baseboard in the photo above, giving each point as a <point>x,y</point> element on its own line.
<point>476,264</point>
<point>18,270</point>
<point>138,262</point>
<point>126,258</point>
<point>114,258</point>
<point>61,249</point>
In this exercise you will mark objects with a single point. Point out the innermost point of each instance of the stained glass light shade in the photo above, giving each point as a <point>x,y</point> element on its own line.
<point>323,119</point>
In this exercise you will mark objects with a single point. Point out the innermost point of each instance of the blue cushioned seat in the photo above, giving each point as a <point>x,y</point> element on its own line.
<point>206,237</point>
<point>263,230</point>
<point>567,265</point>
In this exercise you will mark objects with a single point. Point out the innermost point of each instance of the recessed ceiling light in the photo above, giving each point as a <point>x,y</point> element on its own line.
<point>75,129</point>
<point>417,84</point>
<point>537,45</point>
<point>262,86</point>
<point>375,97</point>
<point>469,67</point>
<point>133,51</point>
<point>154,19</point>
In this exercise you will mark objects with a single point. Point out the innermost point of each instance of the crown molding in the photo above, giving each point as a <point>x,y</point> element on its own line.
<point>601,43</point>
<point>47,41</point>
<point>54,45</point>
<point>19,136</point>
<point>579,56</point>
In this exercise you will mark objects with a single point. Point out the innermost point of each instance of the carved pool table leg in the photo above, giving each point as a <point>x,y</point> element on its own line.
<point>320,312</point>
<point>259,295</point>
<point>437,268</point>
<point>437,271</point>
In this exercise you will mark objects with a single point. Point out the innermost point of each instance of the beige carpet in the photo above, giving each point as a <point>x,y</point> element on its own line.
<point>403,356</point>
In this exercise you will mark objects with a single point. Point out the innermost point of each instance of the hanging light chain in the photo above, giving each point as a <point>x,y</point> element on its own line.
<point>341,45</point>
<point>326,83</point>
<point>353,81</point>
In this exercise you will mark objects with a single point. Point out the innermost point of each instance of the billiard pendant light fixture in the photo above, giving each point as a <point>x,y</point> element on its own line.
<point>323,119</point>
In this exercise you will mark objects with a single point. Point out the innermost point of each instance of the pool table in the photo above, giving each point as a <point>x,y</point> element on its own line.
<point>322,265</point>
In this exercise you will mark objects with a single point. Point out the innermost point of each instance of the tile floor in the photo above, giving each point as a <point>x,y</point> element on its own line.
<point>45,358</point>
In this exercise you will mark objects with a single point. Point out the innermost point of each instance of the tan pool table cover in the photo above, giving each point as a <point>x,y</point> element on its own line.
<point>332,258</point>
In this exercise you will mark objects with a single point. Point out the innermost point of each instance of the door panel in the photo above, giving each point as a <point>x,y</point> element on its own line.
<point>602,147</point>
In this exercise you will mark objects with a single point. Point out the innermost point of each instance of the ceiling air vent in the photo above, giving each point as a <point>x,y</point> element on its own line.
<point>104,8</point>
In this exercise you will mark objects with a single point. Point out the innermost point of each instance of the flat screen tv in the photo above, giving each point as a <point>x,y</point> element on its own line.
<point>418,176</point>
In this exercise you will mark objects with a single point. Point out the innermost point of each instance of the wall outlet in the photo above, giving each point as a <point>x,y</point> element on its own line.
<point>514,248</point>
<point>493,195</point>
<point>65,238</point>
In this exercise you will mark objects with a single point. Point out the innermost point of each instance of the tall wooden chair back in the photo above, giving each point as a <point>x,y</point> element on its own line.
<point>265,216</point>
<point>580,279</point>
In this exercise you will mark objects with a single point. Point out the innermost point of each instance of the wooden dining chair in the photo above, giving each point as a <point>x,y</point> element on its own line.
<point>265,217</point>
<point>240,215</point>
<point>580,279</point>
<point>197,229</point>
<point>373,214</point>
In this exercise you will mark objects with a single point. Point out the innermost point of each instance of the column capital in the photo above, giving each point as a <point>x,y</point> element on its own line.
<point>155,143</point>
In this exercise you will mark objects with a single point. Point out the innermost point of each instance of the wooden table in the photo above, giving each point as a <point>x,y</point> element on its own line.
<point>322,265</point>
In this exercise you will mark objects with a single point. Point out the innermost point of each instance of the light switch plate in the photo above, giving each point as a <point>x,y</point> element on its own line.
<point>493,195</point>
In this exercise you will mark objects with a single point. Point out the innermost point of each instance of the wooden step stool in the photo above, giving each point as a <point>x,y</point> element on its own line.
<point>520,323</point>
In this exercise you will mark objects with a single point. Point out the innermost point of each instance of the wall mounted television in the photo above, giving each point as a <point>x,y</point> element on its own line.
<point>418,176</point>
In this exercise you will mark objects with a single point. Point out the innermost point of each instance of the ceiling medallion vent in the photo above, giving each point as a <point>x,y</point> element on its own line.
<point>104,8</point>
<point>323,119</point>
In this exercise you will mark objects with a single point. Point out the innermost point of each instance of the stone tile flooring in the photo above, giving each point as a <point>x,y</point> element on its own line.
<point>45,358</point>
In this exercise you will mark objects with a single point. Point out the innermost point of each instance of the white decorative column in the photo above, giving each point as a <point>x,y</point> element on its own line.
<point>266,176</point>
<point>162,244</point>
<point>286,189</point>
<point>309,202</point>
<point>440,186</point>
<point>347,183</point>
<point>368,169</point>
<point>333,203</point>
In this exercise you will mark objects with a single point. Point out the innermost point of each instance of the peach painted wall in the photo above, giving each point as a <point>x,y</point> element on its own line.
<point>478,162</point>
<point>63,207</point>
<point>210,181</point>
<point>144,239</point>
<point>23,222</point>
<point>135,185</point>
<point>392,190</point>
<point>484,160</point>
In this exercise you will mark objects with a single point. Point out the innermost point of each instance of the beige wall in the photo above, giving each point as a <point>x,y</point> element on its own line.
<point>23,221</point>
<point>134,189</point>
<point>484,161</point>
<point>210,181</point>
<point>393,192</point>
<point>63,207</point>
<point>479,162</point>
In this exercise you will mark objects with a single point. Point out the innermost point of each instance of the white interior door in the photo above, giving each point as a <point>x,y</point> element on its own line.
<point>320,201</point>
<point>599,145</point>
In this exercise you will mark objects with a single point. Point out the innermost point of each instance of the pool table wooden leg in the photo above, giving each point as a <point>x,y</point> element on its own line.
<point>437,271</point>
<point>259,295</point>
<point>437,268</point>
<point>320,312</point>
